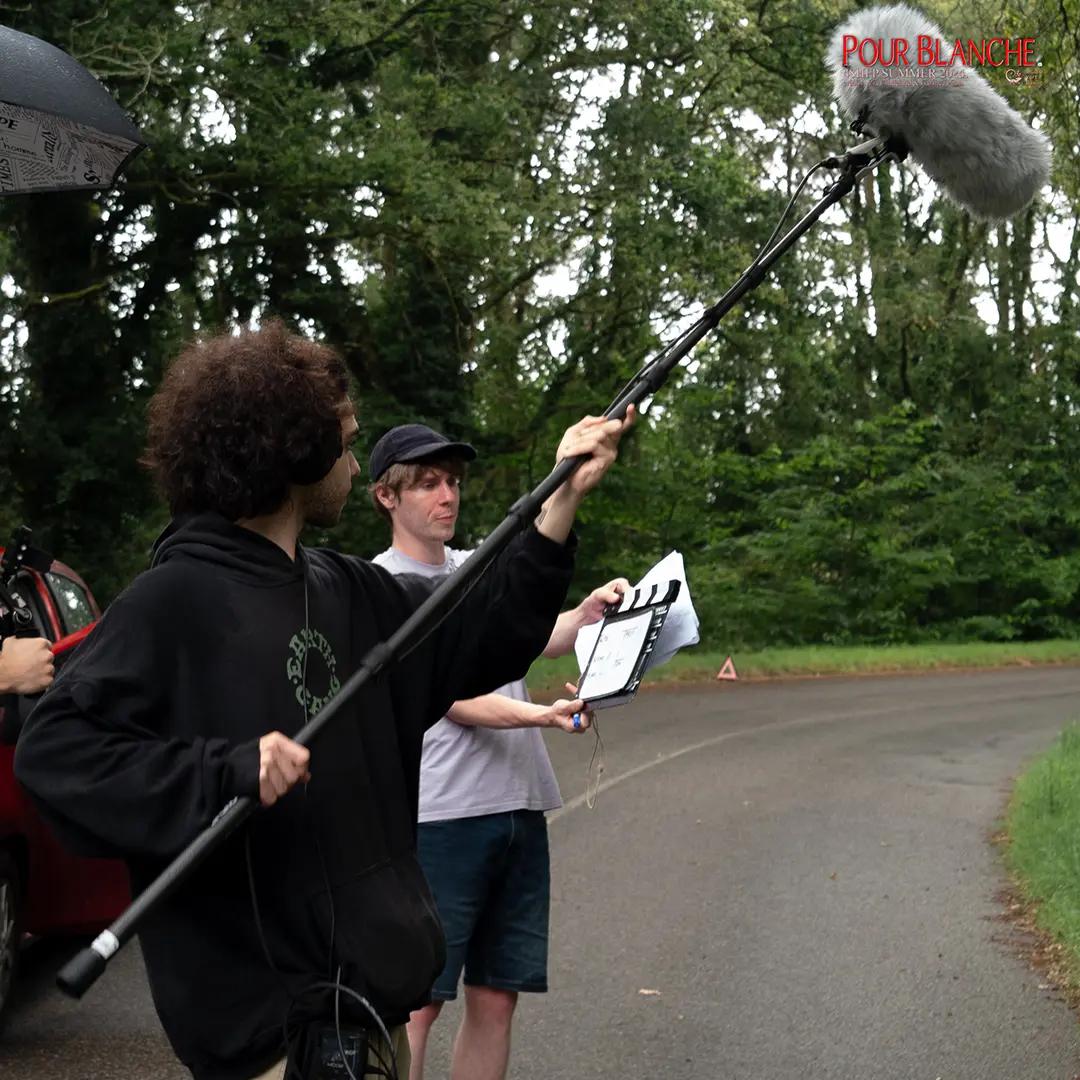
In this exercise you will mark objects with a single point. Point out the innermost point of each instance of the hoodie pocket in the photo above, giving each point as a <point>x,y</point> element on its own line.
<point>387,934</point>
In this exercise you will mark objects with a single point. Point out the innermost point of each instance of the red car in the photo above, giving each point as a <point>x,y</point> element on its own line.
<point>43,889</point>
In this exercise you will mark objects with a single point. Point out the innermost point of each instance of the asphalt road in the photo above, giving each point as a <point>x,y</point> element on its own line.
<point>802,871</point>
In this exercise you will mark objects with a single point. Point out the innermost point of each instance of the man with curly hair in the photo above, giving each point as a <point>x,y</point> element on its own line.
<point>185,694</point>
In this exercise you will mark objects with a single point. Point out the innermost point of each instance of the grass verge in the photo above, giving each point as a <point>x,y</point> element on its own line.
<point>1042,846</point>
<point>693,666</point>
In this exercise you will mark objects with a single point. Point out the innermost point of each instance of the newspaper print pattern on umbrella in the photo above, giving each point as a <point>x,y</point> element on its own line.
<point>60,129</point>
<point>47,153</point>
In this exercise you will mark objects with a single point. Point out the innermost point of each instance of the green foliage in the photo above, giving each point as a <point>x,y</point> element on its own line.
<point>497,212</point>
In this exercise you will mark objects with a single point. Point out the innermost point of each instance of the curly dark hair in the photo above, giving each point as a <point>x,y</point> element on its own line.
<point>238,418</point>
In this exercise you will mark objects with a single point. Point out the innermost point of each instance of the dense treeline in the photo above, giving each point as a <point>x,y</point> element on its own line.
<point>497,211</point>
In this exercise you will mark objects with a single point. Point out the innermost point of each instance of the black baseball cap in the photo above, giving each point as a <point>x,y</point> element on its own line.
<point>413,442</point>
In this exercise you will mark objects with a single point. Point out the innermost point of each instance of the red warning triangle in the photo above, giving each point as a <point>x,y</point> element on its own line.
<point>728,670</point>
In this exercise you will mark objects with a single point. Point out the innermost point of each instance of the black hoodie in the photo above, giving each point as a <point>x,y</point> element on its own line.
<point>153,726</point>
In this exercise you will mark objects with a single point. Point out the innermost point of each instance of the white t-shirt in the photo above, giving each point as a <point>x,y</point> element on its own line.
<point>469,771</point>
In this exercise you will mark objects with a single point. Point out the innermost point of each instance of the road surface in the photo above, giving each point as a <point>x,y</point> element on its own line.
<point>798,873</point>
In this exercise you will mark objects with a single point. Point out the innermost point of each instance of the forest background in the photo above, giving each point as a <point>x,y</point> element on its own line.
<point>498,211</point>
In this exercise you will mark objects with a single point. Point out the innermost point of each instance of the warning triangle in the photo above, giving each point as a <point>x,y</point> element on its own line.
<point>728,670</point>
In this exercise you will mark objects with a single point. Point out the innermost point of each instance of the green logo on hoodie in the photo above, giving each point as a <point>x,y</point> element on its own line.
<point>303,645</point>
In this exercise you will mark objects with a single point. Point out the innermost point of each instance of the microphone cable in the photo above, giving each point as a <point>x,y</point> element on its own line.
<point>592,788</point>
<point>783,217</point>
<point>709,314</point>
<point>291,1039</point>
<point>384,1068</point>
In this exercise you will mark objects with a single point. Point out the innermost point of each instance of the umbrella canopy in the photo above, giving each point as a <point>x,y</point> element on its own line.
<point>59,128</point>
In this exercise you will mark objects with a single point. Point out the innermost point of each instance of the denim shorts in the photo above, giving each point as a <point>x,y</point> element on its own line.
<point>491,879</point>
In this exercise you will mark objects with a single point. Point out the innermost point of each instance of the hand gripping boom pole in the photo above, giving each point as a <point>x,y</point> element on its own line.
<point>83,970</point>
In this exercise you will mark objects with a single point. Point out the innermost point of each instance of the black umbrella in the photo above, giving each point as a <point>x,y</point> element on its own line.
<point>59,128</point>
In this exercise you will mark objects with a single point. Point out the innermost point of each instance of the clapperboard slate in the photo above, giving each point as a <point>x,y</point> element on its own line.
<point>620,656</point>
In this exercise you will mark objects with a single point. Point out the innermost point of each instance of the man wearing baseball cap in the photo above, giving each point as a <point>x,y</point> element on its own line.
<point>486,780</point>
<point>412,443</point>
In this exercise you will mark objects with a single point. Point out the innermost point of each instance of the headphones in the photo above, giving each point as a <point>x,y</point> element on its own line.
<point>311,468</point>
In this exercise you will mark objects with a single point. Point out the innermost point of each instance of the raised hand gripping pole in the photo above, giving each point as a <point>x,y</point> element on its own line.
<point>83,970</point>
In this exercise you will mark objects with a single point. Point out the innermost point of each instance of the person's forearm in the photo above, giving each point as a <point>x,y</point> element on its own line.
<point>98,783</point>
<point>556,517</point>
<point>498,711</point>
<point>563,637</point>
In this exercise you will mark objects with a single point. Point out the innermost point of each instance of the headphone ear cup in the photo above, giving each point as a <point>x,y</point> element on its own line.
<point>311,469</point>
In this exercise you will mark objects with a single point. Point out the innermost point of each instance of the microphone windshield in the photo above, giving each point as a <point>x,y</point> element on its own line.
<point>964,134</point>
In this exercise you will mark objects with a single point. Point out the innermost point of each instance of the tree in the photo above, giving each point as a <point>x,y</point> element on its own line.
<point>498,212</point>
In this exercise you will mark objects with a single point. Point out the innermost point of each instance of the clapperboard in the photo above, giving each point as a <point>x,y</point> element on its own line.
<point>620,656</point>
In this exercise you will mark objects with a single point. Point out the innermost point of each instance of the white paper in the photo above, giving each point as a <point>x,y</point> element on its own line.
<point>680,627</point>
